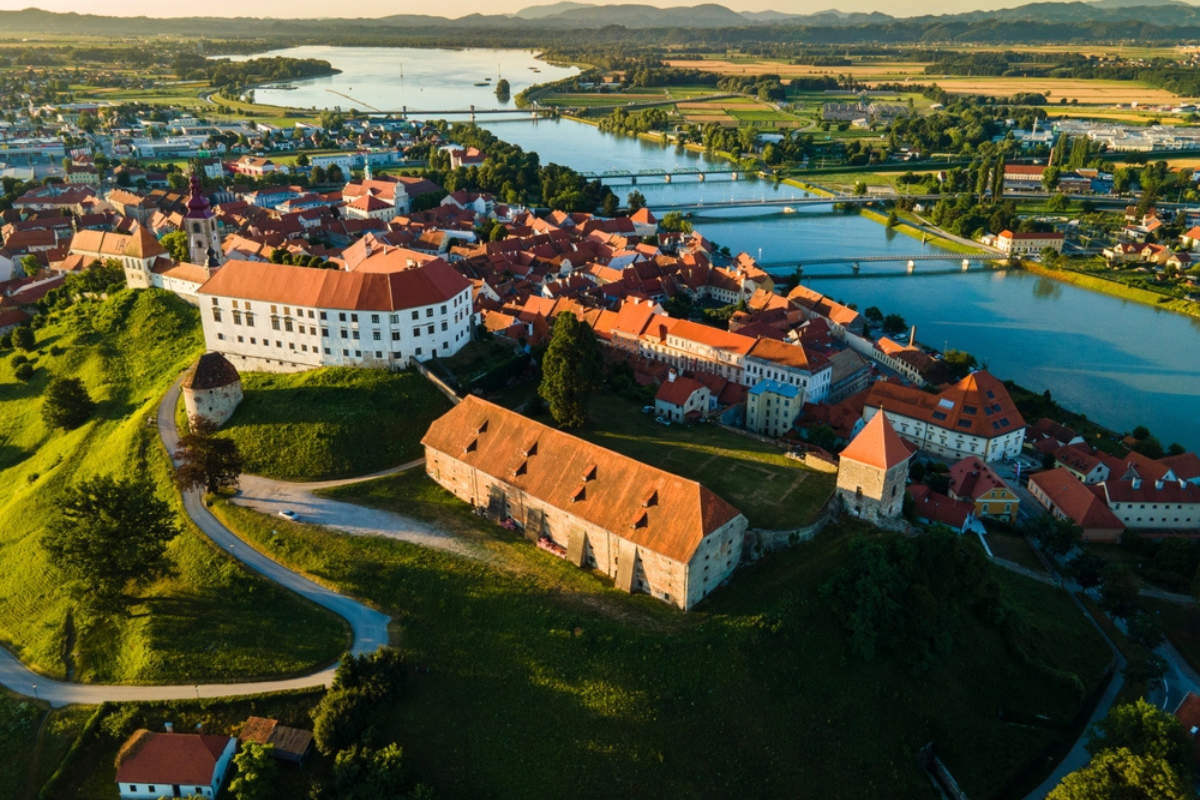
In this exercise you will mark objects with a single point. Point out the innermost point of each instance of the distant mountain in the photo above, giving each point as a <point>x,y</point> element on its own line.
<point>708,15</point>
<point>540,12</point>
<point>1134,3</point>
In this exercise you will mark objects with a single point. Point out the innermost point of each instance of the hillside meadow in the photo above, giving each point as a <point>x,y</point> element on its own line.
<point>208,620</point>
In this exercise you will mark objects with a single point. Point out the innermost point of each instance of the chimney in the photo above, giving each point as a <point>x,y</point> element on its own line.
<point>912,337</point>
<point>671,375</point>
<point>1158,485</point>
<point>169,727</point>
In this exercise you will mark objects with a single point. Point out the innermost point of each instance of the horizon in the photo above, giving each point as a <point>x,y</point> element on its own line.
<point>312,9</point>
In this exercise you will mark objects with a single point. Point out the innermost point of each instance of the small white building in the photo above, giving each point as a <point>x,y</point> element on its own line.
<point>153,765</point>
<point>1028,244</point>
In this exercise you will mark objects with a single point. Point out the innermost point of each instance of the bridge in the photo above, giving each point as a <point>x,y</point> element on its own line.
<point>471,111</point>
<point>665,174</point>
<point>856,260</point>
<point>787,202</point>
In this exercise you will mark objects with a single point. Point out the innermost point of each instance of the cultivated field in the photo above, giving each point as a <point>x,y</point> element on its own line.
<point>1092,92</point>
<point>880,71</point>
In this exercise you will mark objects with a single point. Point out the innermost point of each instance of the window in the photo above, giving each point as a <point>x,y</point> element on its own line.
<point>379,354</point>
<point>429,312</point>
<point>324,331</point>
<point>345,352</point>
<point>416,315</point>
<point>354,333</point>
<point>253,340</point>
<point>322,315</point>
<point>216,315</point>
<point>394,319</point>
<point>239,340</point>
<point>326,351</point>
<point>287,325</point>
<point>395,336</point>
<point>445,325</point>
<point>430,329</point>
<point>221,336</point>
<point>310,314</point>
<point>375,318</point>
<point>443,309</point>
<point>275,323</point>
<point>249,320</point>
<point>416,331</point>
<point>358,353</point>
<point>418,351</point>
<point>344,334</point>
<point>376,335</point>
<point>237,318</point>
<point>341,317</point>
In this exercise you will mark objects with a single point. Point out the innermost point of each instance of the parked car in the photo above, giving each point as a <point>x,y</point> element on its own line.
<point>287,513</point>
<point>647,409</point>
<point>662,420</point>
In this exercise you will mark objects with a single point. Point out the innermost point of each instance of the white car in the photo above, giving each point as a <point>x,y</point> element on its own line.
<point>287,513</point>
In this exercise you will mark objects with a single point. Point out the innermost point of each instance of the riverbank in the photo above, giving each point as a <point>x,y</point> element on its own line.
<point>1097,283</point>
<point>905,227</point>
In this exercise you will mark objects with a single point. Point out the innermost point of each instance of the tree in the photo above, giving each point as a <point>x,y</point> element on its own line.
<point>892,219</point>
<point>1143,730</point>
<point>207,460</point>
<point>23,372</point>
<point>1121,775</point>
<point>636,201</point>
<point>110,533</point>
<point>570,370</point>
<point>24,339</point>
<point>255,772</point>
<point>339,719</point>
<point>29,265</point>
<point>366,774</point>
<point>1050,178</point>
<point>673,222</point>
<point>302,160</point>
<point>960,362</point>
<point>66,404</point>
<point>176,243</point>
<point>1056,536</point>
<point>1086,569</point>
<point>894,324</point>
<point>318,175</point>
<point>335,175</point>
<point>1119,592</point>
<point>610,206</point>
<point>873,314</point>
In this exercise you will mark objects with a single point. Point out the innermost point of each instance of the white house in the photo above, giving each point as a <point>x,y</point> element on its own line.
<point>390,308</point>
<point>1024,244</point>
<point>153,765</point>
<point>792,365</point>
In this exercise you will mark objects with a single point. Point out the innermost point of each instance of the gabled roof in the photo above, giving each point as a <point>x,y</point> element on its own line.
<point>792,356</point>
<point>170,758</point>
<point>1079,502</point>
<point>978,405</point>
<point>652,508</point>
<point>678,391</point>
<point>972,477</point>
<point>877,445</point>
<point>936,507</point>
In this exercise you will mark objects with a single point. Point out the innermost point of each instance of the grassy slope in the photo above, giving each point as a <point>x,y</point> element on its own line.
<point>19,720</point>
<point>211,619</point>
<point>1099,284</point>
<point>332,423</point>
<point>773,491</point>
<point>538,692</point>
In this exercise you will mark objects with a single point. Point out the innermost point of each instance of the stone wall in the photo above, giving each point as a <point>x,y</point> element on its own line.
<point>868,492</point>
<point>216,405</point>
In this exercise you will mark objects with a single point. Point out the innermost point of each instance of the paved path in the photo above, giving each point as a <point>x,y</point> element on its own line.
<point>370,627</point>
<point>271,497</point>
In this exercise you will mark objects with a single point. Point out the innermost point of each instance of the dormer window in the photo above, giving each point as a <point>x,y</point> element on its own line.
<point>651,499</point>
<point>472,447</point>
<point>590,473</point>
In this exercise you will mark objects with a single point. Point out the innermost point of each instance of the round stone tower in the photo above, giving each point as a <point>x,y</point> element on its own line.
<point>212,389</point>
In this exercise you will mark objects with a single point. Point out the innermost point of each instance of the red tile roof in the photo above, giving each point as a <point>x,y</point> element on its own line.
<point>1079,502</point>
<point>972,477</point>
<point>936,507</point>
<point>877,445</point>
<point>978,405</point>
<point>652,508</point>
<point>677,392</point>
<point>170,758</point>
<point>427,284</point>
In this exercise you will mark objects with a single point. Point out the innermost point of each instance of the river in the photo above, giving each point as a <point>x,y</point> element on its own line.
<point>1121,363</point>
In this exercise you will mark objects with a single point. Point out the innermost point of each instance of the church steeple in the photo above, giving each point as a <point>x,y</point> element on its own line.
<point>204,242</point>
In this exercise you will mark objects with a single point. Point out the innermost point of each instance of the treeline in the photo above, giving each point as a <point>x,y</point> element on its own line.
<point>513,174</point>
<point>223,72</point>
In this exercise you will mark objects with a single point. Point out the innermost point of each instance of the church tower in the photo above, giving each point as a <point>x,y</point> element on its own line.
<point>204,243</point>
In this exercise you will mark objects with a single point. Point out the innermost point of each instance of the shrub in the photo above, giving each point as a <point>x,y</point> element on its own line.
<point>18,360</point>
<point>24,372</point>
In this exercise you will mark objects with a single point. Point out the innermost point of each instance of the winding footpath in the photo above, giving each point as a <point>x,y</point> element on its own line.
<point>370,627</point>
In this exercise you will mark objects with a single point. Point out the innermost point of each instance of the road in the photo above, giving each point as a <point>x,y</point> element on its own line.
<point>369,627</point>
<point>271,497</point>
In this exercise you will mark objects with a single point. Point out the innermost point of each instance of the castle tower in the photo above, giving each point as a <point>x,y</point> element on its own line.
<point>872,471</point>
<point>204,243</point>
<point>212,389</point>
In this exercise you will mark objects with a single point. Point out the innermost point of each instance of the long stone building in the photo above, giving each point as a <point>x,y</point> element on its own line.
<point>650,531</point>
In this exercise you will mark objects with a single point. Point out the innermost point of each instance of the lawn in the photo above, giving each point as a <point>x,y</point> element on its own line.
<point>335,422</point>
<point>208,620</point>
<point>544,682</point>
<point>773,491</point>
<point>1181,623</point>
<point>1013,547</point>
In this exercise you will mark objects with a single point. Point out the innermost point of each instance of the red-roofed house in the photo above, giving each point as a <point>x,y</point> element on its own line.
<point>1028,244</point>
<point>932,507</point>
<point>153,765</point>
<point>1066,497</point>
<point>972,480</point>
<point>682,399</point>
<point>872,471</point>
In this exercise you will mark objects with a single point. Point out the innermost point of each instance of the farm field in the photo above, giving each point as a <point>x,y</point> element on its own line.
<point>1090,92</point>
<point>879,71</point>
<point>210,619</point>
<point>643,701</point>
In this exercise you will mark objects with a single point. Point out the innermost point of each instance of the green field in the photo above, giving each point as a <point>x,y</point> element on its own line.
<point>544,682</point>
<point>332,423</point>
<point>19,721</point>
<point>210,619</point>
<point>774,492</point>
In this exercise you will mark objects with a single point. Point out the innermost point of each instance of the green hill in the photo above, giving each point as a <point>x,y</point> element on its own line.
<point>211,619</point>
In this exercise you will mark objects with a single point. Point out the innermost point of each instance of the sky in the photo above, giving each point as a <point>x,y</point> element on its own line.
<point>380,8</point>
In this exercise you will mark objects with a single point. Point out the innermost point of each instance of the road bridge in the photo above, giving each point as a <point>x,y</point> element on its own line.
<point>875,259</point>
